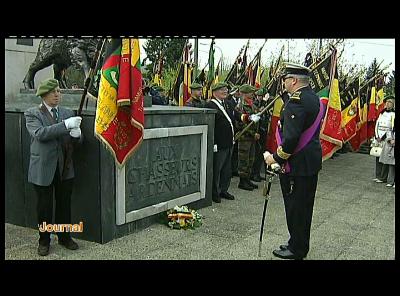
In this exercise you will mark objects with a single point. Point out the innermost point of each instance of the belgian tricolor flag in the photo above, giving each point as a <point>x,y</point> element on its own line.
<point>181,88</point>
<point>270,143</point>
<point>273,87</point>
<point>380,105</point>
<point>362,111</point>
<point>331,131</point>
<point>178,82</point>
<point>372,111</point>
<point>349,105</point>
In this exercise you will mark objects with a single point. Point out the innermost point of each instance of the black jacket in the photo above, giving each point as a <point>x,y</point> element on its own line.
<point>223,136</point>
<point>297,115</point>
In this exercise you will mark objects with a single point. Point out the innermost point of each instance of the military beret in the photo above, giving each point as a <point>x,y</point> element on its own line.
<point>218,86</point>
<point>247,88</point>
<point>261,92</point>
<point>292,68</point>
<point>196,86</point>
<point>46,86</point>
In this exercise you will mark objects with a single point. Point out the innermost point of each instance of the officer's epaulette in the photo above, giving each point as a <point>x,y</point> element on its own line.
<point>295,96</point>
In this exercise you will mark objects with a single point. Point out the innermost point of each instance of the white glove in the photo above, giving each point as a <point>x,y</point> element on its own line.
<point>73,122</point>
<point>266,97</point>
<point>75,132</point>
<point>254,117</point>
<point>265,154</point>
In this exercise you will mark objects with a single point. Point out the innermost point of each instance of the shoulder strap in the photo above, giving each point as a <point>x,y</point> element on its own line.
<point>220,107</point>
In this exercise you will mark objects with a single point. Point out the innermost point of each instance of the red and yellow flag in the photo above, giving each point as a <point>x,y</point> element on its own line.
<point>119,122</point>
<point>257,83</point>
<point>372,111</point>
<point>349,106</point>
<point>380,95</point>
<point>271,144</point>
<point>361,134</point>
<point>331,130</point>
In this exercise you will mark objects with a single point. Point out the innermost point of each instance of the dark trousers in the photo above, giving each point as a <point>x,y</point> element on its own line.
<point>234,162</point>
<point>299,194</point>
<point>222,172</point>
<point>258,156</point>
<point>381,171</point>
<point>63,191</point>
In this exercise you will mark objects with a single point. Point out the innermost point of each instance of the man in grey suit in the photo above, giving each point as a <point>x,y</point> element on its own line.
<point>53,130</point>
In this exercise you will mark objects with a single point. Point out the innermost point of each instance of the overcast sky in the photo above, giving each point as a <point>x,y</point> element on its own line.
<point>357,51</point>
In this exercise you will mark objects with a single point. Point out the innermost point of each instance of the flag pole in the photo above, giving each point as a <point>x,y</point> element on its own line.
<point>196,56</point>
<point>238,135</point>
<point>93,66</point>
<point>313,65</point>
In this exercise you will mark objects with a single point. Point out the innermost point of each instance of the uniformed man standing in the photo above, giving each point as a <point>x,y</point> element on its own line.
<point>195,99</point>
<point>247,142</point>
<point>300,153</point>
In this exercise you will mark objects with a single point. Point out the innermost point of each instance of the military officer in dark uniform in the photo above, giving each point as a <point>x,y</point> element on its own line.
<point>260,102</point>
<point>195,99</point>
<point>248,140</point>
<point>300,112</point>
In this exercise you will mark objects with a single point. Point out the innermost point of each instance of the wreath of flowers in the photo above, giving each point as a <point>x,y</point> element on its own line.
<point>183,218</point>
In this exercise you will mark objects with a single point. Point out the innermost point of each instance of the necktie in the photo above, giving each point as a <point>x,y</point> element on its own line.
<point>55,114</point>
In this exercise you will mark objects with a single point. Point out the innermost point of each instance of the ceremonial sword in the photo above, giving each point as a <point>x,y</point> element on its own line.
<point>270,172</point>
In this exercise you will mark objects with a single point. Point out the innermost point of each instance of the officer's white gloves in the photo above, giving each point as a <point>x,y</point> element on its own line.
<point>73,122</point>
<point>75,132</point>
<point>266,154</point>
<point>266,97</point>
<point>255,117</point>
<point>274,166</point>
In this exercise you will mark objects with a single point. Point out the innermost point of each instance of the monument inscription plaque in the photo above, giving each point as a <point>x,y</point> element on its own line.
<point>169,169</point>
<point>172,169</point>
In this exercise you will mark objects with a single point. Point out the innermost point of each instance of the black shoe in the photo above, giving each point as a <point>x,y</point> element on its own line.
<point>252,184</point>
<point>286,254</point>
<point>256,178</point>
<point>227,195</point>
<point>43,250</point>
<point>216,199</point>
<point>245,185</point>
<point>283,247</point>
<point>69,244</point>
<point>235,174</point>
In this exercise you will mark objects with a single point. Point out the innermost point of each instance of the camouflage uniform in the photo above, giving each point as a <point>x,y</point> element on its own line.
<point>247,142</point>
<point>262,130</point>
<point>193,102</point>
